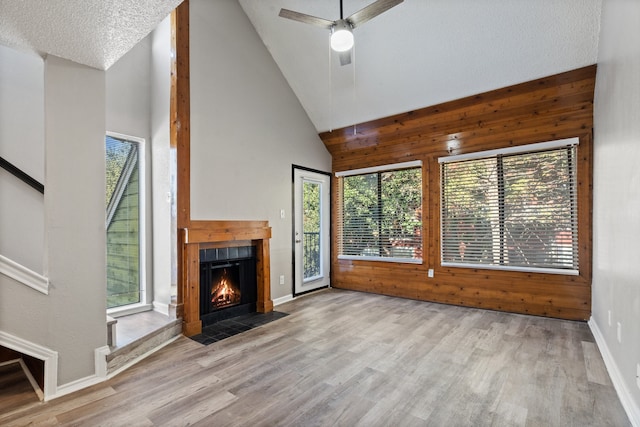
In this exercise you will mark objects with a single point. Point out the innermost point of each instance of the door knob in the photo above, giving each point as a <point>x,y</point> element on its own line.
<point>298,240</point>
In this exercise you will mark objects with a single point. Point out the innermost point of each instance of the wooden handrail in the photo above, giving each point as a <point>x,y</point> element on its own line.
<point>23,176</point>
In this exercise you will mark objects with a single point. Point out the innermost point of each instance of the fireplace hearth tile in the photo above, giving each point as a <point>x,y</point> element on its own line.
<point>234,326</point>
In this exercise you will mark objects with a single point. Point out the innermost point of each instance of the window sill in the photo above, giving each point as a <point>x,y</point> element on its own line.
<point>513,269</point>
<point>381,259</point>
<point>126,310</point>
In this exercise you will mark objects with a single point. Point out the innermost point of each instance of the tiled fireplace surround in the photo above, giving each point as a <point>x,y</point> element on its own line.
<point>219,234</point>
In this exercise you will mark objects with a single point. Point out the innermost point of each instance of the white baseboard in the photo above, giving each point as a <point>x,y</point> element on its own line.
<point>161,308</point>
<point>629,405</point>
<point>23,275</point>
<point>101,369</point>
<point>49,357</point>
<point>282,300</point>
<point>100,360</point>
<point>76,385</point>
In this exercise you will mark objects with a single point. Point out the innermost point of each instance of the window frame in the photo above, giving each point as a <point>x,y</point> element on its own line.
<point>371,170</point>
<point>146,294</point>
<point>521,149</point>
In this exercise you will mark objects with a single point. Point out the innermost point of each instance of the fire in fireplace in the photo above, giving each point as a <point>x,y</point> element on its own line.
<point>228,283</point>
<point>225,290</point>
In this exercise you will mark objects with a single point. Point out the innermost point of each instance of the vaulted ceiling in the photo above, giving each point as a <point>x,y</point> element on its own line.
<point>419,53</point>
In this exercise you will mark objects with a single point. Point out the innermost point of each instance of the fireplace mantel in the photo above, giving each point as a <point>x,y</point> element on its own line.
<point>211,234</point>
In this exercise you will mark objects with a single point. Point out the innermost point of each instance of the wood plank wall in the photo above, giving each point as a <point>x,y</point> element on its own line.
<point>555,107</point>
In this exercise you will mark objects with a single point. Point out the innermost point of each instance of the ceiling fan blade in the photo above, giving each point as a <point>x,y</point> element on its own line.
<point>371,11</point>
<point>307,19</point>
<point>345,57</point>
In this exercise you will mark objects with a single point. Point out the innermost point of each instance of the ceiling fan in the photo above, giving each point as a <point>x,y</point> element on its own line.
<point>341,29</point>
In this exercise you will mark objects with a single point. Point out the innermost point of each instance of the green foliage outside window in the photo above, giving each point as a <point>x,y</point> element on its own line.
<point>517,210</point>
<point>382,214</point>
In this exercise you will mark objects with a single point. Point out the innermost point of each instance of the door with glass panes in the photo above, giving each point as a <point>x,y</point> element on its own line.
<point>311,230</point>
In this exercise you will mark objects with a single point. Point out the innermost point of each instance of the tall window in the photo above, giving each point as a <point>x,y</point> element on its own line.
<point>381,213</point>
<point>511,209</point>
<point>124,213</point>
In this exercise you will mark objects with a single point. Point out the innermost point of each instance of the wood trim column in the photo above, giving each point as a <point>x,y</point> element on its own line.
<point>180,137</point>
<point>263,267</point>
<point>192,324</point>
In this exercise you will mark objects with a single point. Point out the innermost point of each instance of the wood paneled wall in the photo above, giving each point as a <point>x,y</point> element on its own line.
<point>555,107</point>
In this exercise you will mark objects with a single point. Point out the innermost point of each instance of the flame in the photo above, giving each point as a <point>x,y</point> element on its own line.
<point>224,293</point>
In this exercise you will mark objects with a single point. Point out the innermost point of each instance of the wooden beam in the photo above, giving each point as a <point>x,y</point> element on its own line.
<point>180,144</point>
<point>180,113</point>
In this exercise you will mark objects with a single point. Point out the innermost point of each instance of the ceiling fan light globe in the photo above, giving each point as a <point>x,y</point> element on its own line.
<point>341,37</point>
<point>342,40</point>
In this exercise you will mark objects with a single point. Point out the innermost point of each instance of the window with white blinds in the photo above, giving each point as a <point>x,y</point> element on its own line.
<point>512,209</point>
<point>380,213</point>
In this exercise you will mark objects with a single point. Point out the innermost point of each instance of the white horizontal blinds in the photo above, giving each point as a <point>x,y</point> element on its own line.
<point>514,211</point>
<point>381,215</point>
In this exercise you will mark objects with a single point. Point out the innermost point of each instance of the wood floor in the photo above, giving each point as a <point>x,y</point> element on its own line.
<point>356,359</point>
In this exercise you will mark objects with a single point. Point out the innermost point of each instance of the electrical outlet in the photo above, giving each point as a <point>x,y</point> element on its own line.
<point>281,213</point>
<point>638,375</point>
<point>609,317</point>
<point>430,272</point>
<point>282,279</point>
<point>620,332</point>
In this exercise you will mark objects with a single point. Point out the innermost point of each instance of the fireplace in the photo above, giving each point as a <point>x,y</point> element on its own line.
<point>208,235</point>
<point>228,283</point>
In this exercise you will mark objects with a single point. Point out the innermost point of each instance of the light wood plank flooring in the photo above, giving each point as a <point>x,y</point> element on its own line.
<point>356,359</point>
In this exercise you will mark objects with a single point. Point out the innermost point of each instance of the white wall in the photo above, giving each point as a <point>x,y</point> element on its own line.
<point>163,266</point>
<point>247,129</point>
<point>71,319</point>
<point>22,143</point>
<point>616,281</point>
<point>128,112</point>
<point>137,88</point>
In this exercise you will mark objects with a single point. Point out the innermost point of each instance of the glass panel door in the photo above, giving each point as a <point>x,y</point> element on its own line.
<point>311,230</point>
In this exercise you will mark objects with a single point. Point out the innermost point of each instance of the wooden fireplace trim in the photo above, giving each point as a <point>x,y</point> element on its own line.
<point>211,234</point>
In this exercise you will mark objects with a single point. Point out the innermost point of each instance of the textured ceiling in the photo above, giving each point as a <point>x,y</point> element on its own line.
<point>91,32</point>
<point>419,53</point>
<point>423,52</point>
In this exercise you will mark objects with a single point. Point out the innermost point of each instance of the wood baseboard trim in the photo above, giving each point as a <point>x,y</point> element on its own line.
<point>192,328</point>
<point>264,306</point>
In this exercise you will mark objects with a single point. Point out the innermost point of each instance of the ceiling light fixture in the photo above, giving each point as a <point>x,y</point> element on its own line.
<point>342,29</point>
<point>341,36</point>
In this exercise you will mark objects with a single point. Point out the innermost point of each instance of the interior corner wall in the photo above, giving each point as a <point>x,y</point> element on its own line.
<point>22,144</point>
<point>72,321</point>
<point>247,130</point>
<point>616,287</point>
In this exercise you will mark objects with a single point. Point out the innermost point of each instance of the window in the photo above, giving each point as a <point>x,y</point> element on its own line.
<point>381,213</point>
<point>511,209</point>
<point>124,220</point>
